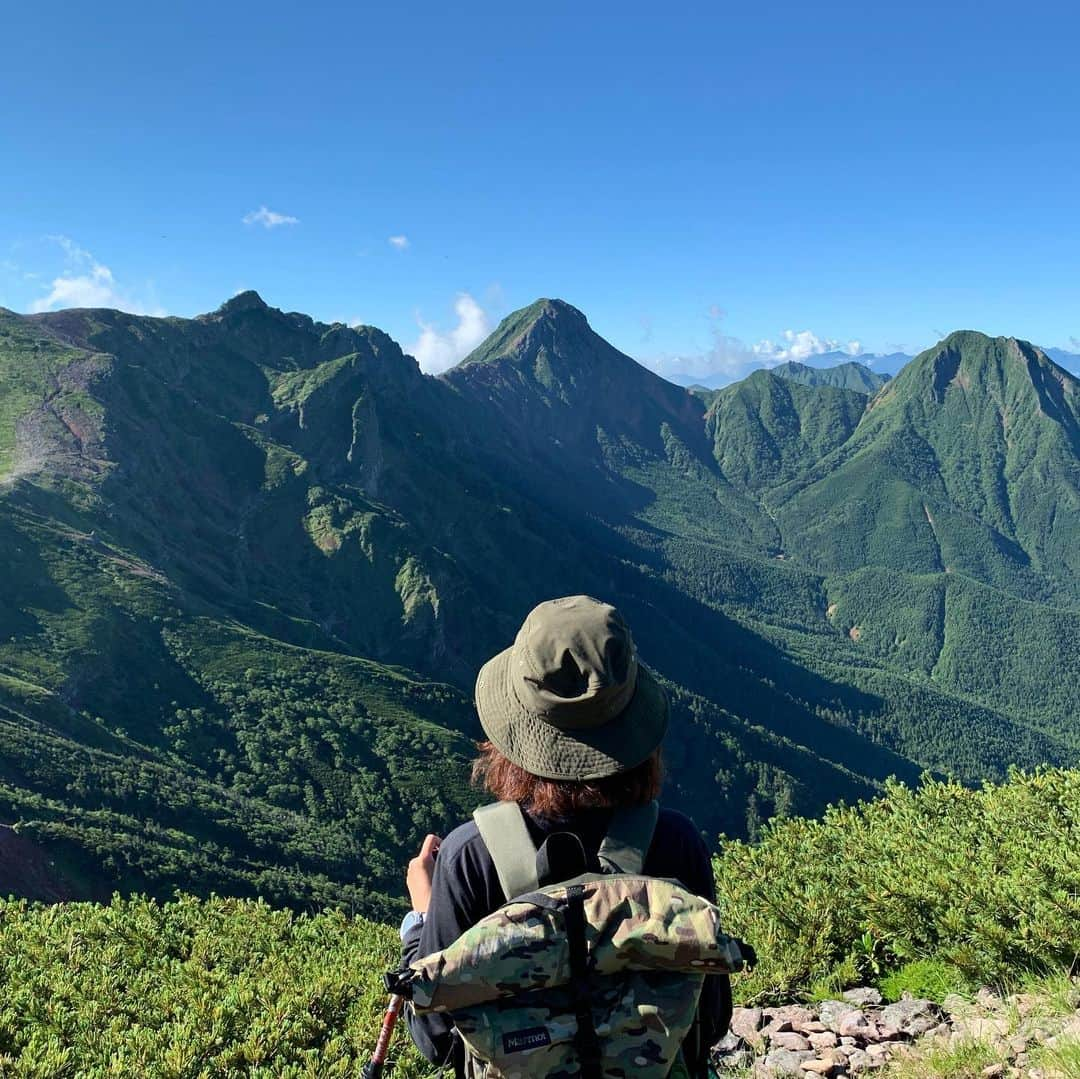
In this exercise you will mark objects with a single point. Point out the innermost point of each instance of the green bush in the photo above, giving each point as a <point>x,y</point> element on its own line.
<point>218,987</point>
<point>985,881</point>
<point>929,979</point>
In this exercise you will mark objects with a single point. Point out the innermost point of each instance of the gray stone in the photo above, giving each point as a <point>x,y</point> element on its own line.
<point>912,1017</point>
<point>785,1061</point>
<point>858,1061</point>
<point>856,1025</point>
<point>862,997</point>
<point>729,1043</point>
<point>832,1011</point>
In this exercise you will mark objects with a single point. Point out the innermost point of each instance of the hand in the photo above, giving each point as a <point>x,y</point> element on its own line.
<point>421,869</point>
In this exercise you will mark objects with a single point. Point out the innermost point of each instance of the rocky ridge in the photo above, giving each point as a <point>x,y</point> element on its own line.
<point>861,1033</point>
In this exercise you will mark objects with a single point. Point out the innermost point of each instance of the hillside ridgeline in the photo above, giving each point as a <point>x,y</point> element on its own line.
<point>255,562</point>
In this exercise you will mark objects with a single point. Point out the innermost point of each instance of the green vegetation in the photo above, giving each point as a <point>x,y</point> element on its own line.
<point>930,891</point>
<point>221,987</point>
<point>925,886</point>
<point>844,376</point>
<point>254,563</point>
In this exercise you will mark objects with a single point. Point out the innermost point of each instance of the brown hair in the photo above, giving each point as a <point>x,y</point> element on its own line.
<point>558,798</point>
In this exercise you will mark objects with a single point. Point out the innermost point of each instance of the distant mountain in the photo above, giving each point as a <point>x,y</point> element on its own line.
<point>771,426</point>
<point>845,376</point>
<point>887,364</point>
<point>254,562</point>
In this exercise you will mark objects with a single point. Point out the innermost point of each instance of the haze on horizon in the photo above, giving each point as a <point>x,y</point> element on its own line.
<point>715,191</point>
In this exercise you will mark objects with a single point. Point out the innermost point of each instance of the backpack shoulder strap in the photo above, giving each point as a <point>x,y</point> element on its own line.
<point>627,841</point>
<point>503,830</point>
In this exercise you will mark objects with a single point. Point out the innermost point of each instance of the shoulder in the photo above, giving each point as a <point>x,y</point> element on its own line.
<point>462,844</point>
<point>673,826</point>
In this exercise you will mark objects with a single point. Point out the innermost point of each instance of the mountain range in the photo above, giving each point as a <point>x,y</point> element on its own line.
<point>880,364</point>
<point>254,562</point>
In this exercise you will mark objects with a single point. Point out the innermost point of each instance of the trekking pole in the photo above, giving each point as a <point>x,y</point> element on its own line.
<point>373,1068</point>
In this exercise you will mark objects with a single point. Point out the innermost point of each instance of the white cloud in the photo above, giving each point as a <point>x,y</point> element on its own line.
<point>798,345</point>
<point>400,242</point>
<point>86,282</point>
<point>729,358</point>
<point>269,219</point>
<point>436,351</point>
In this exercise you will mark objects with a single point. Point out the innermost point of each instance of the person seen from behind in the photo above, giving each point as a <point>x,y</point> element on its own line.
<point>574,726</point>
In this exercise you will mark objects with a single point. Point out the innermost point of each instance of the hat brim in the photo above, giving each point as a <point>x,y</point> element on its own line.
<point>550,752</point>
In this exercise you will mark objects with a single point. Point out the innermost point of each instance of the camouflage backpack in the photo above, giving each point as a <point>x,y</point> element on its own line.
<point>598,976</point>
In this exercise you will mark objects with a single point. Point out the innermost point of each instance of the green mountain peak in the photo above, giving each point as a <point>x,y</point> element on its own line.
<point>529,328</point>
<point>248,300</point>
<point>845,376</point>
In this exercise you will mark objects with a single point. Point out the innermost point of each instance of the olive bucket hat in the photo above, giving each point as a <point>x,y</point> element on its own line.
<point>569,698</point>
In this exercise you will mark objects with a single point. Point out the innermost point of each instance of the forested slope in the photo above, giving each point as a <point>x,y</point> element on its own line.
<point>254,562</point>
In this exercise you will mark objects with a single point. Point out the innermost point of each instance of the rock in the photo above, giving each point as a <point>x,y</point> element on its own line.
<point>824,1039</point>
<point>832,1011</point>
<point>884,1033</point>
<point>855,1025</point>
<point>858,1061</point>
<point>785,1061</point>
<point>820,1065</point>
<point>939,1031</point>
<point>813,1027</point>
<point>1018,1044</point>
<point>879,1049</point>
<point>862,997</point>
<point>746,1021</point>
<point>729,1043</point>
<point>793,1014</point>
<point>993,1071</point>
<point>789,1040</point>
<point>1071,1030</point>
<point>850,1042</point>
<point>980,1028</point>
<point>912,1017</point>
<point>775,1026</point>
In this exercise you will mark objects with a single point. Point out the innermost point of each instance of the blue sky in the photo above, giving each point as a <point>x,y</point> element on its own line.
<point>697,183</point>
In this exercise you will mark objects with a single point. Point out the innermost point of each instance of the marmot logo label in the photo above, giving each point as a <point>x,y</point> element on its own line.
<point>518,1041</point>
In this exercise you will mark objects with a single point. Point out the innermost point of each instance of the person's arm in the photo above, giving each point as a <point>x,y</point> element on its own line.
<point>454,899</point>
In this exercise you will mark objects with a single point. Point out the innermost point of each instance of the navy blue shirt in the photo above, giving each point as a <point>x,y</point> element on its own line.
<point>466,888</point>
